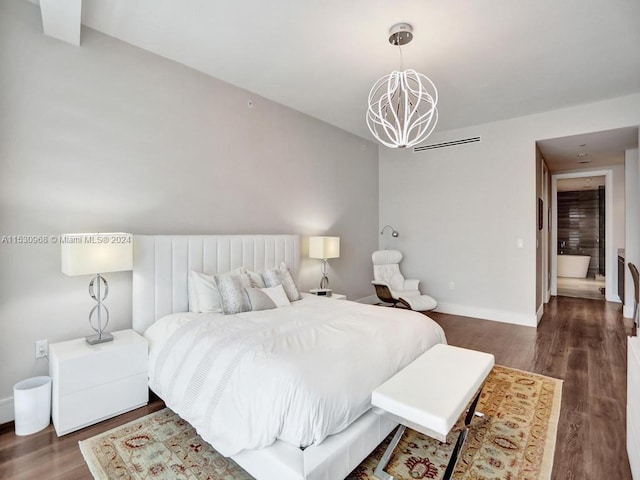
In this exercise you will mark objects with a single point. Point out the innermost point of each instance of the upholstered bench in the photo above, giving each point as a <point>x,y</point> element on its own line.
<point>430,395</point>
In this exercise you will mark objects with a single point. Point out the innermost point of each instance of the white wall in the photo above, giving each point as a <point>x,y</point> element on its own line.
<point>632,247</point>
<point>461,210</point>
<point>108,137</point>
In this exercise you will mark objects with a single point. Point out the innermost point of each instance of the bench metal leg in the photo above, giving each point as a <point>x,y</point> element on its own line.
<point>379,471</point>
<point>462,437</point>
<point>384,461</point>
<point>454,455</point>
<point>472,409</point>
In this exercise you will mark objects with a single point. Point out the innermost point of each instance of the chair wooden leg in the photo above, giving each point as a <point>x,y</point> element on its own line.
<point>404,303</point>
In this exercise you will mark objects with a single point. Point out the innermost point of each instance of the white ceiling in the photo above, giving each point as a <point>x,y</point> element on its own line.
<point>489,60</point>
<point>596,149</point>
<point>582,183</point>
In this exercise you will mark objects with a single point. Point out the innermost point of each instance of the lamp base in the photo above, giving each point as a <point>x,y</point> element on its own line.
<point>95,339</point>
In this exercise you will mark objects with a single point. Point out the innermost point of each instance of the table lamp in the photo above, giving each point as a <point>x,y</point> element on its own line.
<point>324,248</point>
<point>95,254</point>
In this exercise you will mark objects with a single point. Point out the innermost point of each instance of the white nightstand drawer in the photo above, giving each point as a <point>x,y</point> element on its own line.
<point>86,366</point>
<point>84,408</point>
<point>100,366</point>
<point>95,382</point>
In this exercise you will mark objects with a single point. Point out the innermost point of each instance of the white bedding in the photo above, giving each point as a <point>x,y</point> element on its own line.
<point>297,373</point>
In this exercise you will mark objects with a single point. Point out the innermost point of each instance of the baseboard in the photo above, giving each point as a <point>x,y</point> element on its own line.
<point>613,297</point>
<point>539,313</point>
<point>6,410</point>
<point>527,320</point>
<point>627,311</point>
<point>475,312</point>
<point>370,300</point>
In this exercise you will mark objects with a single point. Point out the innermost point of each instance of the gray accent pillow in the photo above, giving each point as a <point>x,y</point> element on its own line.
<point>271,277</point>
<point>259,300</point>
<point>282,276</point>
<point>233,296</point>
<point>289,284</point>
<point>256,279</point>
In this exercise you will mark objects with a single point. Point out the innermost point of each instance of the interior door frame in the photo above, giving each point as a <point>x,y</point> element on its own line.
<point>610,295</point>
<point>546,290</point>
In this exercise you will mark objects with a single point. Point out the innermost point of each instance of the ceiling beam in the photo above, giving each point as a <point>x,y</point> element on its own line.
<point>62,19</point>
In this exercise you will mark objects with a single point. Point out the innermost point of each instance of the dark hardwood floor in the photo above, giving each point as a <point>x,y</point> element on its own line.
<point>582,342</point>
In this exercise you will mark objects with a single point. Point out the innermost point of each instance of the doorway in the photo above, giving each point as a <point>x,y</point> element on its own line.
<point>581,237</point>
<point>581,233</point>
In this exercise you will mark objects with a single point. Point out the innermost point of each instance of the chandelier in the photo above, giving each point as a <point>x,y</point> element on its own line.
<point>402,105</point>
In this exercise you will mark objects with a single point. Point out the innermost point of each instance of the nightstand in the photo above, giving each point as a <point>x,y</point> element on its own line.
<point>94,382</point>
<point>338,296</point>
<point>335,296</point>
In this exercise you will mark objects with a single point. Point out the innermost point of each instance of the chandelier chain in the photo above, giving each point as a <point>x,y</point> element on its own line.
<point>401,58</point>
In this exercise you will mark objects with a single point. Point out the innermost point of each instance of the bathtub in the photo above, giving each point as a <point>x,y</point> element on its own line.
<point>575,266</point>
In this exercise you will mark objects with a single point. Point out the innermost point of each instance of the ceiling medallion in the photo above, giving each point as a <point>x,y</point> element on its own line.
<point>402,105</point>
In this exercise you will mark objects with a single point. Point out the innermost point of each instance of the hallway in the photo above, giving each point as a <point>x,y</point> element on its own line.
<point>581,287</point>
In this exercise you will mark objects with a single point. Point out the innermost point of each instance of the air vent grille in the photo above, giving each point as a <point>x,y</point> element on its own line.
<point>452,143</point>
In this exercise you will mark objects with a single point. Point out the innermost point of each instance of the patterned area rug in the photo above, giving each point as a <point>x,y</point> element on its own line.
<point>514,440</point>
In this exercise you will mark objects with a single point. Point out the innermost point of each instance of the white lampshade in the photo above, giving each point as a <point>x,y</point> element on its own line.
<point>92,253</point>
<point>324,247</point>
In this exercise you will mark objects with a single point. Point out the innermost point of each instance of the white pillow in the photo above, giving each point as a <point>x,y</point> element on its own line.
<point>203,293</point>
<point>278,295</point>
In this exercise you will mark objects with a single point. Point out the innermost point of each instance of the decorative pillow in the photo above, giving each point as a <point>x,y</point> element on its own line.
<point>277,295</point>
<point>233,296</point>
<point>271,277</point>
<point>259,300</point>
<point>256,279</point>
<point>282,276</point>
<point>203,293</point>
<point>289,284</point>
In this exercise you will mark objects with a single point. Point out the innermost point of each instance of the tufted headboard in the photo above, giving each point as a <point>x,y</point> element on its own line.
<point>161,264</point>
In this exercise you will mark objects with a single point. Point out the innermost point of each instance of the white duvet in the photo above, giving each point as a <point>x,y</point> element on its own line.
<point>297,373</point>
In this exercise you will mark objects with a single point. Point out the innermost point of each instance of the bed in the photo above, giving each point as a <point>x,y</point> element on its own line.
<point>216,370</point>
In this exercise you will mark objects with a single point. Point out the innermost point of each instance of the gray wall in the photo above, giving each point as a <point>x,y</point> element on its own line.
<point>108,137</point>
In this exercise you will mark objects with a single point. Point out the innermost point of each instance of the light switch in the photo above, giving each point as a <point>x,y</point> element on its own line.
<point>520,243</point>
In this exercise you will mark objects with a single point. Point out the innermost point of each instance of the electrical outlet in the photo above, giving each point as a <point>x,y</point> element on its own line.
<point>452,286</point>
<point>42,348</point>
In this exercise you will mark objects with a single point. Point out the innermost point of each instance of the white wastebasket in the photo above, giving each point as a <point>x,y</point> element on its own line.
<point>32,405</point>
